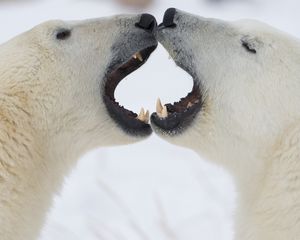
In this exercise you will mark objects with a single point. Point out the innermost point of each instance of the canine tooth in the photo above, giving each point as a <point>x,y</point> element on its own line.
<point>138,56</point>
<point>164,112</point>
<point>159,106</point>
<point>141,114</point>
<point>144,117</point>
<point>189,105</point>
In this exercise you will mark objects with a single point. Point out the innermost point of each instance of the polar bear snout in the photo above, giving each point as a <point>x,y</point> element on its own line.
<point>172,119</point>
<point>131,50</point>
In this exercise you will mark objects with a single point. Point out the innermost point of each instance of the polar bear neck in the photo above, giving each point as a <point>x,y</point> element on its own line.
<point>267,183</point>
<point>31,169</point>
<point>268,206</point>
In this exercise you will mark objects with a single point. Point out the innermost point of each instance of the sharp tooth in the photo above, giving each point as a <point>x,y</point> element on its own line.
<point>164,112</point>
<point>147,117</point>
<point>159,106</point>
<point>144,117</point>
<point>141,114</point>
<point>189,105</point>
<point>139,56</point>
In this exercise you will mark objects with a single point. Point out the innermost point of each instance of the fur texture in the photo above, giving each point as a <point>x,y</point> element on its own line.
<point>250,118</point>
<point>52,112</point>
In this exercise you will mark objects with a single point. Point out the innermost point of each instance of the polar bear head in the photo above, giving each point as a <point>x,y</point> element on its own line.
<point>62,77</point>
<point>246,85</point>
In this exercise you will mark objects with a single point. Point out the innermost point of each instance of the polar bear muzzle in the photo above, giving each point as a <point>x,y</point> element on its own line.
<point>175,118</point>
<point>130,54</point>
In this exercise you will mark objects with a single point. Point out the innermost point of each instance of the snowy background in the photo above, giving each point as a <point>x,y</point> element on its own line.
<point>151,190</point>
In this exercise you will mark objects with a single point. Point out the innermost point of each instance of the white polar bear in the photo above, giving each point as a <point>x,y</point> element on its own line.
<point>243,113</point>
<point>57,102</point>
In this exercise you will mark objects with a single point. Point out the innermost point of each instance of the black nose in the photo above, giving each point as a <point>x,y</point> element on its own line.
<point>147,22</point>
<point>169,18</point>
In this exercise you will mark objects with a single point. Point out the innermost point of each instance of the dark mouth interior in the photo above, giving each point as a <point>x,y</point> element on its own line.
<point>193,98</point>
<point>179,114</point>
<point>125,118</point>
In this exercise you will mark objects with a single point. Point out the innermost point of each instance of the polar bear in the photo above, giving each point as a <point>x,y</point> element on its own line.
<point>57,102</point>
<point>243,113</point>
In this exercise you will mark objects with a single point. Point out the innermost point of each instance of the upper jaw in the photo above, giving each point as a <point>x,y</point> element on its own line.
<point>182,114</point>
<point>123,51</point>
<point>172,34</point>
<point>128,54</point>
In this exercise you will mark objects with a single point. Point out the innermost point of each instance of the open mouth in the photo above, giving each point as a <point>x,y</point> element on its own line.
<point>130,122</point>
<point>174,118</point>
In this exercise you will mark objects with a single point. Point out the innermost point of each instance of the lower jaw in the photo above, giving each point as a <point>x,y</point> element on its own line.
<point>129,126</point>
<point>174,126</point>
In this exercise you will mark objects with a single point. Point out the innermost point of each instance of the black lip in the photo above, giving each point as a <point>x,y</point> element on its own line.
<point>116,72</point>
<point>180,117</point>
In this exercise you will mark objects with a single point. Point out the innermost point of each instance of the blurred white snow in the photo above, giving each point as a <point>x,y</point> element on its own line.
<point>151,190</point>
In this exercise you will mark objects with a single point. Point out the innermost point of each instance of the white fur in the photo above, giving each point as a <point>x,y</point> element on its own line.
<point>51,112</point>
<point>250,121</point>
